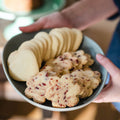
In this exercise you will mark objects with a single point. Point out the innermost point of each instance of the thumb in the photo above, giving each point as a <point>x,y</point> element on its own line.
<point>107,64</point>
<point>104,95</point>
<point>36,26</point>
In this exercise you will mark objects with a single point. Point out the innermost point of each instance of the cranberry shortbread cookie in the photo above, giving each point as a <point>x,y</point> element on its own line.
<point>88,81</point>
<point>36,87</point>
<point>62,92</point>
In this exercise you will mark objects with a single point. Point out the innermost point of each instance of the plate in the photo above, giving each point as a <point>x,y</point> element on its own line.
<point>88,45</point>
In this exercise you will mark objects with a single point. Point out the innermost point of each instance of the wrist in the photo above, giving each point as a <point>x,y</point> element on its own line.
<point>70,14</point>
<point>78,14</point>
<point>84,13</point>
<point>66,17</point>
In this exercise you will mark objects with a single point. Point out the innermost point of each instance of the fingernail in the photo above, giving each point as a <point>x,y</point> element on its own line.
<point>99,56</point>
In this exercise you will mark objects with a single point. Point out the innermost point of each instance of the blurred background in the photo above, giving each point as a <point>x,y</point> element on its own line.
<point>12,106</point>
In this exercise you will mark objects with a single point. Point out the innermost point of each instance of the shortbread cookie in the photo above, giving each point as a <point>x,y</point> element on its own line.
<point>67,37</point>
<point>82,58</point>
<point>59,65</point>
<point>89,62</point>
<point>36,87</point>
<point>28,45</point>
<point>42,48</point>
<point>73,37</point>
<point>55,43</point>
<point>86,92</point>
<point>88,80</point>
<point>68,62</point>
<point>78,38</point>
<point>12,57</point>
<point>44,42</point>
<point>47,37</point>
<point>39,52</point>
<point>77,59</point>
<point>50,70</point>
<point>60,37</point>
<point>24,66</point>
<point>62,92</point>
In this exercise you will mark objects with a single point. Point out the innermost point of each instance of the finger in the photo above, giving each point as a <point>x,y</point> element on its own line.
<point>104,95</point>
<point>109,66</point>
<point>32,28</point>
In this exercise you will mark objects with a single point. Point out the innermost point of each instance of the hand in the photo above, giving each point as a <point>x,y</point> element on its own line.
<point>50,21</point>
<point>111,93</point>
<point>80,15</point>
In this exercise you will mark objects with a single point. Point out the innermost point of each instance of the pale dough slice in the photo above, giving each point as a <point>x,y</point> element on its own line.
<point>41,47</point>
<point>38,52</point>
<point>36,48</point>
<point>44,43</point>
<point>46,36</point>
<point>24,66</point>
<point>78,39</point>
<point>28,45</point>
<point>12,57</point>
<point>68,37</point>
<point>72,40</point>
<point>60,38</point>
<point>49,54</point>
<point>65,39</point>
<point>55,46</point>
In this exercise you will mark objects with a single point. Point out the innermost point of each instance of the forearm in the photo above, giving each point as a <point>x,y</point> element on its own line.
<point>86,12</point>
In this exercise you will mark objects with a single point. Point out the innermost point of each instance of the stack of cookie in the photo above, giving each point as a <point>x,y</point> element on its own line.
<point>64,80</point>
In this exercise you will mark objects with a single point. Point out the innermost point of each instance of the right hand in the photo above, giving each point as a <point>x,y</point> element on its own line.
<point>53,20</point>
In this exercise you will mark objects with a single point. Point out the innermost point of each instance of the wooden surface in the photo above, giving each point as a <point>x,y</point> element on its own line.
<point>102,34</point>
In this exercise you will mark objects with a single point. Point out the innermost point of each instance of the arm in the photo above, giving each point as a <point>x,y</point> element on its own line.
<point>87,12</point>
<point>82,14</point>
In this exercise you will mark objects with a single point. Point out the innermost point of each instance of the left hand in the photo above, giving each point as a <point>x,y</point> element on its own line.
<point>111,93</point>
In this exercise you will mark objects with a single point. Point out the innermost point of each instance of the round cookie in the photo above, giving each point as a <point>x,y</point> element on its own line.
<point>68,37</point>
<point>28,45</point>
<point>41,47</point>
<point>65,39</point>
<point>78,39</point>
<point>12,57</point>
<point>44,42</point>
<point>47,37</point>
<point>39,59</point>
<point>55,46</point>
<point>60,37</point>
